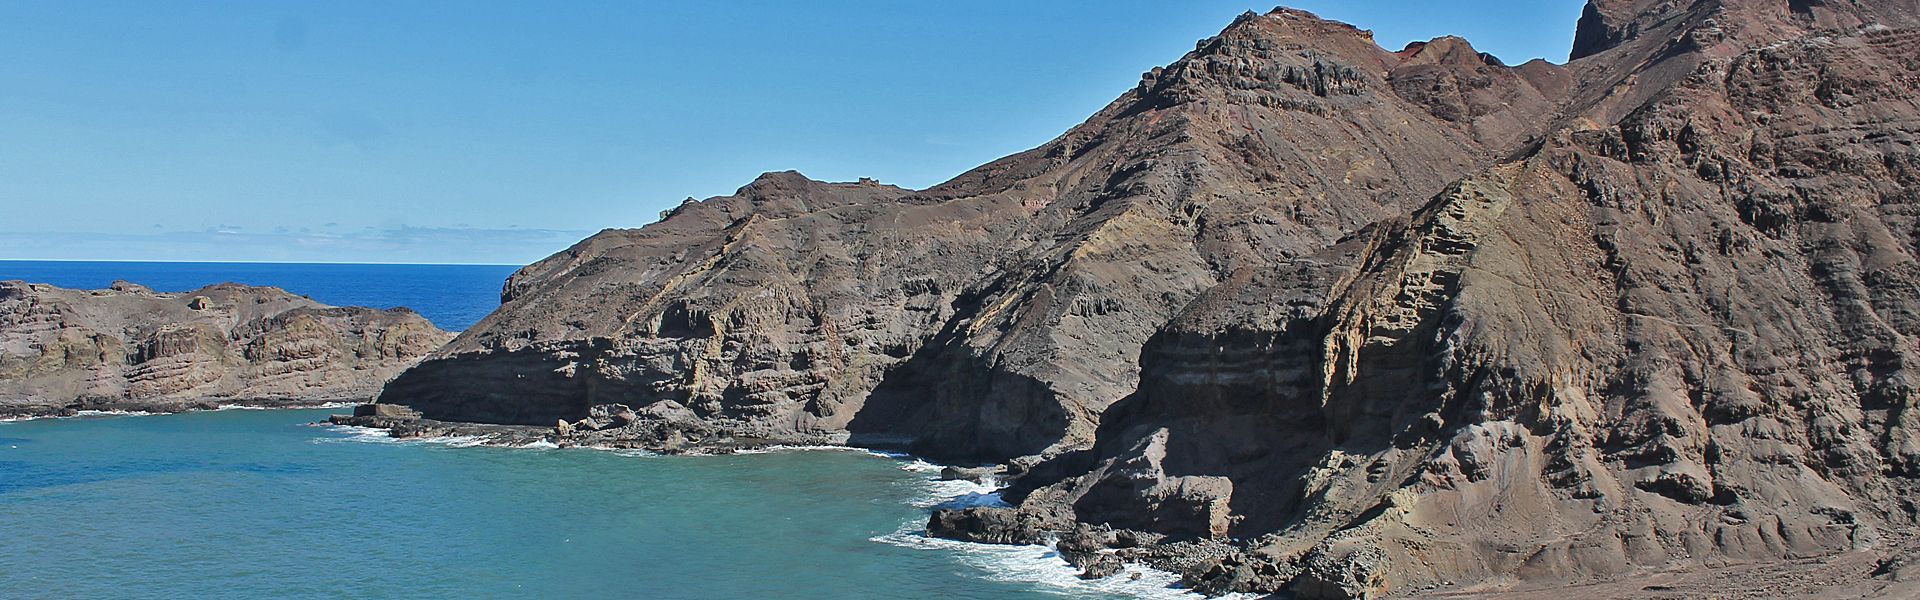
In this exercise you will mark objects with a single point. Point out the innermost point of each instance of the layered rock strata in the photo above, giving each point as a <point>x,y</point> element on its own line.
<point>130,348</point>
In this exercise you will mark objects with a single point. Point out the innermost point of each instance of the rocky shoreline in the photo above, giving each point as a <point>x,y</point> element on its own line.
<point>164,407</point>
<point>1205,565</point>
<point>666,428</point>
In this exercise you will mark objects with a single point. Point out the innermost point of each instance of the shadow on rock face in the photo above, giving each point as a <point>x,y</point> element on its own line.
<point>944,403</point>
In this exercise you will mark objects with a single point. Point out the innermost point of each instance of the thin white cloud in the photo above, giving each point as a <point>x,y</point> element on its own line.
<point>374,245</point>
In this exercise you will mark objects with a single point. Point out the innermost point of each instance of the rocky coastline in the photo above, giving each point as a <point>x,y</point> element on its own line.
<point>1205,565</point>
<point>668,429</point>
<point>96,406</point>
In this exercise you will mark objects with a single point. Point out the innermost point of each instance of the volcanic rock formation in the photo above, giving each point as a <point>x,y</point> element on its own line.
<point>998,314</point>
<point>129,348</point>
<point>1396,320</point>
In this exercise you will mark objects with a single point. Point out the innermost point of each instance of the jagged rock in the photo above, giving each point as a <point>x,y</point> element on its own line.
<point>665,410</point>
<point>1102,566</point>
<point>129,348</point>
<point>991,525</point>
<point>1135,491</point>
<point>974,474</point>
<point>607,411</point>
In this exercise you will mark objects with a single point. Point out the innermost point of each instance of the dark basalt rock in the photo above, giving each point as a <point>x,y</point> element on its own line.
<point>991,525</point>
<point>974,474</point>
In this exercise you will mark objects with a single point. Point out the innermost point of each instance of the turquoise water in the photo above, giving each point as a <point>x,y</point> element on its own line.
<point>454,297</point>
<point>259,504</point>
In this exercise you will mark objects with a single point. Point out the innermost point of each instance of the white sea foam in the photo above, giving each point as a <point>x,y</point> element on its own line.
<point>1041,567</point>
<point>147,413</point>
<point>86,413</point>
<point>373,435</point>
<point>918,466</point>
<point>320,406</point>
<point>958,494</point>
<point>1038,566</point>
<point>796,448</point>
<point>116,413</point>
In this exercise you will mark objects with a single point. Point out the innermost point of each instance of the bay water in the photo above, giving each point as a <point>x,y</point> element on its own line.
<point>269,504</point>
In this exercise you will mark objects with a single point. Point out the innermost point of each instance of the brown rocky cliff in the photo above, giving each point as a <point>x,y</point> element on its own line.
<point>129,348</point>
<point>1675,340</point>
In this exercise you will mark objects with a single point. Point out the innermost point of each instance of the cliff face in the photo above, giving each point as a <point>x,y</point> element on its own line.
<point>1396,319</point>
<point>1678,338</point>
<point>129,348</point>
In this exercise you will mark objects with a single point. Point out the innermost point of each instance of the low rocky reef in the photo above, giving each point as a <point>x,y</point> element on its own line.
<point>662,428</point>
<point>129,348</point>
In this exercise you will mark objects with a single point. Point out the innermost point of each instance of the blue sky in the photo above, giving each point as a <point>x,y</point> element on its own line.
<point>499,132</point>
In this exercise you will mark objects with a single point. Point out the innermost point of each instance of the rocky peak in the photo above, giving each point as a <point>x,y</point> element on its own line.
<point>773,183</point>
<point>1450,50</point>
<point>1281,58</point>
<point>782,194</point>
<point>1605,24</point>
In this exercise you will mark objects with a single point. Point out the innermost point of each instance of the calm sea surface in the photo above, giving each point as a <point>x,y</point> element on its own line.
<point>261,504</point>
<point>452,296</point>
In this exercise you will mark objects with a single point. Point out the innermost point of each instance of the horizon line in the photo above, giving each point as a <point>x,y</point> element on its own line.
<point>262,262</point>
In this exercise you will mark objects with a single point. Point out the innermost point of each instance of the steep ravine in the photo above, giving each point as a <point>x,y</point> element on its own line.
<point>1357,322</point>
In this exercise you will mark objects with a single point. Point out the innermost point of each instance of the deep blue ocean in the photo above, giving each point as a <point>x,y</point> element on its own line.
<point>266,504</point>
<point>454,297</point>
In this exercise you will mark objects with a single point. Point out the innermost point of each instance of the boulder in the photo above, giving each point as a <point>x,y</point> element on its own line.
<point>992,525</point>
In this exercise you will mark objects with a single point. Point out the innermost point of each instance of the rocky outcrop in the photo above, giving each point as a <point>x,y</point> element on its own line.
<point>1314,317</point>
<point>129,348</point>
